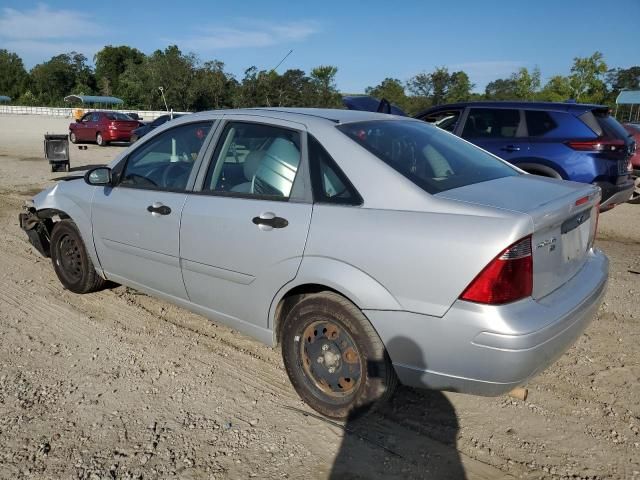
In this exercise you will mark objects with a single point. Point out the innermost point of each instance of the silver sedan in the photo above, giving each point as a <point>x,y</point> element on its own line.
<point>373,249</point>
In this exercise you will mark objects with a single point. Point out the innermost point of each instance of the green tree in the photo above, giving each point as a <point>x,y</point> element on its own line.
<point>62,75</point>
<point>526,84</point>
<point>14,78</point>
<point>587,78</point>
<point>323,78</point>
<point>211,87</point>
<point>460,87</point>
<point>557,89</point>
<point>390,89</point>
<point>501,89</point>
<point>111,62</point>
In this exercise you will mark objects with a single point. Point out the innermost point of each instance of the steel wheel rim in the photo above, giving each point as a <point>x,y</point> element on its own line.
<point>330,359</point>
<point>70,258</point>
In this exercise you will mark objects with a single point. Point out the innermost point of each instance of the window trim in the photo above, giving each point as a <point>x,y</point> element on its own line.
<point>211,160</point>
<point>316,180</point>
<point>121,166</point>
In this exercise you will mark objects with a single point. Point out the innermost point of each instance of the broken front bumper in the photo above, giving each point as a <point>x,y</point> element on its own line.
<point>36,230</point>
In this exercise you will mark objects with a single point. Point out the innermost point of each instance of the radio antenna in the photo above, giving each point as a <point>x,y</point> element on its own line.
<point>283,59</point>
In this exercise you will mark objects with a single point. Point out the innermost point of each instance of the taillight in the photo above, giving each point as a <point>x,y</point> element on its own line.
<point>113,126</point>
<point>507,278</point>
<point>598,145</point>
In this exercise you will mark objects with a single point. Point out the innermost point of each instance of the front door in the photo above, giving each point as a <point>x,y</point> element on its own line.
<point>500,131</point>
<point>136,223</point>
<point>243,235</point>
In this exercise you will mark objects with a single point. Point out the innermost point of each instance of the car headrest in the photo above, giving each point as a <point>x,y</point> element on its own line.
<point>251,164</point>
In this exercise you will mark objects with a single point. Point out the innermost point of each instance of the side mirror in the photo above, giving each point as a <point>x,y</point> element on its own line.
<point>78,120</point>
<point>98,176</point>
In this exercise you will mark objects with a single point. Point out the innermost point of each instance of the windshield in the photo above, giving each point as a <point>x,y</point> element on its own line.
<point>432,159</point>
<point>118,116</point>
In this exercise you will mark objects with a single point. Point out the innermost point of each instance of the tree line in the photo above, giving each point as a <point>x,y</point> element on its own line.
<point>192,85</point>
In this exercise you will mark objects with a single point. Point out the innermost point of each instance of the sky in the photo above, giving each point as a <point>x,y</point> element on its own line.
<point>367,40</point>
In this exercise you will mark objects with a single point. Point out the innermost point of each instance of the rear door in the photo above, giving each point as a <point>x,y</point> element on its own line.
<point>136,223</point>
<point>243,234</point>
<point>500,131</point>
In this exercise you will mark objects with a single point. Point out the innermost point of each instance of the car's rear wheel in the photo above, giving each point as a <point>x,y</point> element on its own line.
<point>100,140</point>
<point>334,358</point>
<point>71,261</point>
<point>72,137</point>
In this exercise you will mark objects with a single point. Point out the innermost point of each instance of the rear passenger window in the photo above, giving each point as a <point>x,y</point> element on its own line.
<point>329,184</point>
<point>539,123</point>
<point>254,159</point>
<point>491,123</point>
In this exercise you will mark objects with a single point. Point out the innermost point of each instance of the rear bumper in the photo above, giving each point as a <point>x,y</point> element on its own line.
<point>488,350</point>
<point>116,135</point>
<point>613,195</point>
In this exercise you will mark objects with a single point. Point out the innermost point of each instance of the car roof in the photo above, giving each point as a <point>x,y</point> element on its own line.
<point>558,106</point>
<point>309,115</point>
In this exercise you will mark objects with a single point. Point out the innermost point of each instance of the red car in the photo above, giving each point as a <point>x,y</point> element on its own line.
<point>634,130</point>
<point>102,128</point>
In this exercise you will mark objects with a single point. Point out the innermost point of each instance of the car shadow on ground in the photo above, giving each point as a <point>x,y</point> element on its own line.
<point>413,436</point>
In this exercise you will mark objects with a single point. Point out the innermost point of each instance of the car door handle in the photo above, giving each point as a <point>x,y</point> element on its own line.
<point>268,220</point>
<point>510,148</point>
<point>158,209</point>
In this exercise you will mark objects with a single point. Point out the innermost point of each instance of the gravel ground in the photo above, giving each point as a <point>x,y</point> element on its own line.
<point>118,384</point>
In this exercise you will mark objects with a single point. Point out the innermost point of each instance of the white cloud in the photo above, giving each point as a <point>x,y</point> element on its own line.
<point>43,23</point>
<point>249,34</point>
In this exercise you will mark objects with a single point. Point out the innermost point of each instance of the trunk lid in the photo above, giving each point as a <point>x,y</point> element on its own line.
<point>564,218</point>
<point>125,125</point>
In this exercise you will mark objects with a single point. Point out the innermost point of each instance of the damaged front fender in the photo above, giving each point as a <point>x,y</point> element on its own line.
<point>37,229</point>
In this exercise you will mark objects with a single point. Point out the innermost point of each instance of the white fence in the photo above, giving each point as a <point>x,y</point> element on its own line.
<point>68,112</point>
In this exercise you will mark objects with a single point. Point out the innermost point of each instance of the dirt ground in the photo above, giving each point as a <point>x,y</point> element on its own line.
<point>117,384</point>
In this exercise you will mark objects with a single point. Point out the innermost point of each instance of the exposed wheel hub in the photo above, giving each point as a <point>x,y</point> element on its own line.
<point>330,358</point>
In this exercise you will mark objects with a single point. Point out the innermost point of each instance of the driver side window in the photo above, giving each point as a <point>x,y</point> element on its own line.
<point>166,161</point>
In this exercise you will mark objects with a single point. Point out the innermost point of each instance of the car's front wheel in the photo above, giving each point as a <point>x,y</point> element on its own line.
<point>72,137</point>
<point>334,358</point>
<point>71,261</point>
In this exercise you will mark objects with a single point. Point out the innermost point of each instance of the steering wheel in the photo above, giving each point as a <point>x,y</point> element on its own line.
<point>171,177</point>
<point>135,177</point>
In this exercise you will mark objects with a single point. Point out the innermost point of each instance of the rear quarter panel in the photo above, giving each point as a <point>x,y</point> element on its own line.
<point>422,260</point>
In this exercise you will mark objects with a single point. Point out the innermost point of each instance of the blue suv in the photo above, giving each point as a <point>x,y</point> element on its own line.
<point>569,141</point>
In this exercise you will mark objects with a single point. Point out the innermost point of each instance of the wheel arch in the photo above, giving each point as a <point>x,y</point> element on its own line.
<point>542,167</point>
<point>75,209</point>
<point>318,274</point>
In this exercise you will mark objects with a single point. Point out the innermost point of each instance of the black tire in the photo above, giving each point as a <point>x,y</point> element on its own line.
<point>326,323</point>
<point>71,261</point>
<point>100,140</point>
<point>72,137</point>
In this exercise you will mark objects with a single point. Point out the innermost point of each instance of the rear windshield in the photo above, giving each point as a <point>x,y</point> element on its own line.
<point>603,124</point>
<point>118,116</point>
<point>611,126</point>
<point>432,159</point>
